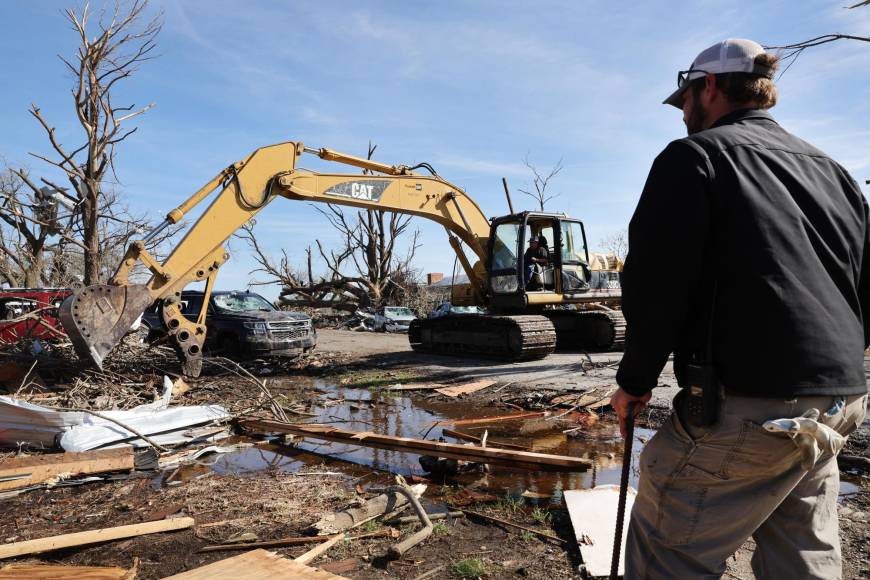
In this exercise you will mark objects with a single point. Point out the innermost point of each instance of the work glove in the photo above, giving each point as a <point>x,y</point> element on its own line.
<point>811,437</point>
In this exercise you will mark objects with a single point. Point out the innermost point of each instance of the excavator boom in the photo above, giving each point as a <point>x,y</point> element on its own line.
<point>97,317</point>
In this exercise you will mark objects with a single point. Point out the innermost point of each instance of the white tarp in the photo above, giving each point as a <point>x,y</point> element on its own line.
<point>22,422</point>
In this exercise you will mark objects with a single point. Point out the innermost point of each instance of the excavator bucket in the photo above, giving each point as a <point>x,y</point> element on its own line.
<point>98,317</point>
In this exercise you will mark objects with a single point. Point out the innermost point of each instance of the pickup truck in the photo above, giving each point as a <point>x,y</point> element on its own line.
<point>240,324</point>
<point>16,303</point>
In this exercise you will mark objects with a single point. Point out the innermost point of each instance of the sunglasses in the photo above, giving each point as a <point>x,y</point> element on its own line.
<point>683,76</point>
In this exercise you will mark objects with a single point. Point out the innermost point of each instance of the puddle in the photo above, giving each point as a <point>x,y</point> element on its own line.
<point>848,489</point>
<point>398,414</point>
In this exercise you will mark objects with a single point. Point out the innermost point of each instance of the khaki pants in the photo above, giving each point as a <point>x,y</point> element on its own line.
<point>704,491</point>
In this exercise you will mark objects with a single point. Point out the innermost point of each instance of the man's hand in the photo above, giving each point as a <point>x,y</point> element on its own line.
<point>620,401</point>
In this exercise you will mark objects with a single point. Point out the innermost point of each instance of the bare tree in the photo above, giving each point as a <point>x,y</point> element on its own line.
<point>541,182</point>
<point>122,42</point>
<point>616,244</point>
<point>38,226</point>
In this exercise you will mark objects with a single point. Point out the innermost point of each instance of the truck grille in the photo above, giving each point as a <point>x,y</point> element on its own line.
<point>285,330</point>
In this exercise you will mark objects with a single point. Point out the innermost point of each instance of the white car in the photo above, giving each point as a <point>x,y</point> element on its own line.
<point>447,308</point>
<point>393,319</point>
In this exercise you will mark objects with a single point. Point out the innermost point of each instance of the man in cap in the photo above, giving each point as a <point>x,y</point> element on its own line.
<point>765,326</point>
<point>534,258</point>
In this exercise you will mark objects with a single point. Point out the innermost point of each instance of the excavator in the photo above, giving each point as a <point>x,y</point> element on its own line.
<point>523,320</point>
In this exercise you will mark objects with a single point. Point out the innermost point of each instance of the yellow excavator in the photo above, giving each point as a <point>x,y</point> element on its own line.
<point>528,306</point>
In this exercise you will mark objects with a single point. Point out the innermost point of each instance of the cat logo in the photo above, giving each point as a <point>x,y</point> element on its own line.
<point>364,189</point>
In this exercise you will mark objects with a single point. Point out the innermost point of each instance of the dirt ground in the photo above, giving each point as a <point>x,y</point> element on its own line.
<point>276,490</point>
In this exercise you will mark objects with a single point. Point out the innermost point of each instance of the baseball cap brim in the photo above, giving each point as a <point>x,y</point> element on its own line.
<point>677,97</point>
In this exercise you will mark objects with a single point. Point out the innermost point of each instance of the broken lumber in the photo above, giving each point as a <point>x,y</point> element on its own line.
<point>91,537</point>
<point>417,387</point>
<point>465,389</point>
<point>474,439</point>
<point>318,551</point>
<point>504,457</point>
<point>27,471</point>
<point>255,565</point>
<point>284,542</point>
<point>375,507</point>
<point>60,572</point>
<point>493,419</point>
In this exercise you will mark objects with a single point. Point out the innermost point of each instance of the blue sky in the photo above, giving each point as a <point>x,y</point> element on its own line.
<point>470,87</point>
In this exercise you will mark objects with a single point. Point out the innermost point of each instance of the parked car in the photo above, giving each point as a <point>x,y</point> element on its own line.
<point>16,302</point>
<point>241,324</point>
<point>446,308</point>
<point>393,319</point>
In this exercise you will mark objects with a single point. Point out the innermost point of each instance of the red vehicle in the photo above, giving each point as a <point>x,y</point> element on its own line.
<point>41,303</point>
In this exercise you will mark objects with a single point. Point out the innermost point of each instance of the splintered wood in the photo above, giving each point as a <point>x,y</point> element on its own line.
<point>468,388</point>
<point>505,457</point>
<point>59,572</point>
<point>255,565</point>
<point>91,537</point>
<point>26,471</point>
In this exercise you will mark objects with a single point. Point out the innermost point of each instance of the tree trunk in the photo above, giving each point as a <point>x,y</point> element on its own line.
<point>90,221</point>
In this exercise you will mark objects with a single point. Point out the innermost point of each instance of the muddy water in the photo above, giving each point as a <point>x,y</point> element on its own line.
<point>405,415</point>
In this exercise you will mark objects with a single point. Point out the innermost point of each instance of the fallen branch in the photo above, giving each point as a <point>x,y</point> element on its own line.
<point>144,438</point>
<point>513,525</point>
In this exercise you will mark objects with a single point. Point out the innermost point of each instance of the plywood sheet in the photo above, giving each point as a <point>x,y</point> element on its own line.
<point>255,565</point>
<point>467,388</point>
<point>593,516</point>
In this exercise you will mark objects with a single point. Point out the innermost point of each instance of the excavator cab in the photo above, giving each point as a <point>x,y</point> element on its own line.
<point>515,283</point>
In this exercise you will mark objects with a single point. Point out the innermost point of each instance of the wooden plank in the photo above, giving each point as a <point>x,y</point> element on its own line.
<point>52,572</point>
<point>467,388</point>
<point>255,565</point>
<point>91,537</point>
<point>27,471</point>
<point>318,551</point>
<point>593,516</point>
<point>417,387</point>
<point>298,541</point>
<point>474,439</point>
<point>493,419</point>
<point>506,457</point>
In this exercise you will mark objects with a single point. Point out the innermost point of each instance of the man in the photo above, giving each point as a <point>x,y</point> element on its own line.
<point>535,256</point>
<point>773,238</point>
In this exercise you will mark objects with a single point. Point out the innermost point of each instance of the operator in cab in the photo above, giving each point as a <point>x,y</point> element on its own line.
<point>535,257</point>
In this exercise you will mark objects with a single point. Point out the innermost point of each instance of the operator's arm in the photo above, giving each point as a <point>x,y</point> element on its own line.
<point>671,222</point>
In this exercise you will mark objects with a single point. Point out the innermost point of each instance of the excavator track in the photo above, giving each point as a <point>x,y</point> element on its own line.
<point>513,338</point>
<point>598,330</point>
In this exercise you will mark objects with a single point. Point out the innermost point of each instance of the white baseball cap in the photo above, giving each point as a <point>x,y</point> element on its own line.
<point>731,55</point>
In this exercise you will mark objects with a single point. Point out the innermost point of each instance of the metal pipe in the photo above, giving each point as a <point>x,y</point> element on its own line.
<point>507,193</point>
<point>153,233</point>
<point>398,550</point>
<point>468,229</point>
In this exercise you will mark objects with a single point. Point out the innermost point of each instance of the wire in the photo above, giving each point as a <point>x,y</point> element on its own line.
<point>425,166</point>
<point>244,199</point>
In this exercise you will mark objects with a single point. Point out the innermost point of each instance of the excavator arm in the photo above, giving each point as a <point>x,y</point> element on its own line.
<point>97,317</point>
